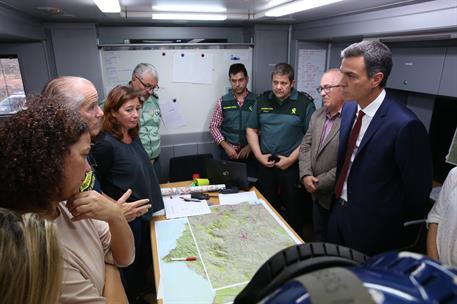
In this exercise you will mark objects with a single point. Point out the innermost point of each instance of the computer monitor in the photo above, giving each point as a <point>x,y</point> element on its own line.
<point>227,172</point>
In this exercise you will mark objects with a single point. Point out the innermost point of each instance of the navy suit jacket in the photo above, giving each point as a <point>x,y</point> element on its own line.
<point>389,181</point>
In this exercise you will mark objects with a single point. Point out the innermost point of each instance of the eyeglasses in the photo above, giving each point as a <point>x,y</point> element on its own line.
<point>327,89</point>
<point>147,86</point>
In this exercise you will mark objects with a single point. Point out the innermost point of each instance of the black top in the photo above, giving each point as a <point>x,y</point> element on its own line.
<point>121,166</point>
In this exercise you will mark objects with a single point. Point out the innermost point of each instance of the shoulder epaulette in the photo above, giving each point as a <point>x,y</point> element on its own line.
<point>306,95</point>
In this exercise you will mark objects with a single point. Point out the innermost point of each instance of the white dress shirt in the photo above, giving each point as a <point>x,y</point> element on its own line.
<point>444,213</point>
<point>370,112</point>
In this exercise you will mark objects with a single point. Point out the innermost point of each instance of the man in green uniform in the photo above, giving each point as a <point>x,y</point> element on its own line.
<point>145,80</point>
<point>230,116</point>
<point>274,133</point>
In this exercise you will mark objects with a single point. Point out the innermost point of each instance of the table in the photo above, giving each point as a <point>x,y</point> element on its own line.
<point>214,200</point>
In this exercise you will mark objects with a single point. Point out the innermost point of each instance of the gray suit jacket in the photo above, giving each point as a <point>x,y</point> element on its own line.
<point>320,163</point>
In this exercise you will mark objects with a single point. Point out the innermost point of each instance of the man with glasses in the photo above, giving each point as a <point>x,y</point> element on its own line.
<point>145,80</point>
<point>80,95</point>
<point>319,150</point>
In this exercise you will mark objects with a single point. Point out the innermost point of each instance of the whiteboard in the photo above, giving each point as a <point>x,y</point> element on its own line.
<point>311,66</point>
<point>190,80</point>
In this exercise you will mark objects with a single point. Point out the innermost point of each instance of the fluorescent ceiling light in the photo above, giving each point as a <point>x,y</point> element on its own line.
<point>175,16</point>
<point>189,8</point>
<point>108,6</point>
<point>274,3</point>
<point>297,6</point>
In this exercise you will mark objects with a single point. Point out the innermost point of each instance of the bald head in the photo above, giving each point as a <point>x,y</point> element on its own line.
<point>71,89</point>
<point>331,90</point>
<point>79,94</point>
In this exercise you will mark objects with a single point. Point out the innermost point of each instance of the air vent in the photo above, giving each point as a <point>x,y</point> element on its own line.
<point>50,10</point>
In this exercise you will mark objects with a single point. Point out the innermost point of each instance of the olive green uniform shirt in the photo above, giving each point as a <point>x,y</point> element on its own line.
<point>282,124</point>
<point>150,125</point>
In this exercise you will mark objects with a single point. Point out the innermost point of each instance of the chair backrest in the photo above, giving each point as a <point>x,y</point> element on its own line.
<point>182,167</point>
<point>415,233</point>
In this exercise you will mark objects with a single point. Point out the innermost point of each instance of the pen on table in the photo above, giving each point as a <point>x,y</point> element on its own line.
<point>190,199</point>
<point>184,259</point>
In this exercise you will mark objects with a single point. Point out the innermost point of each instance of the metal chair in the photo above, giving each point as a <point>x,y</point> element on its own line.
<point>416,233</point>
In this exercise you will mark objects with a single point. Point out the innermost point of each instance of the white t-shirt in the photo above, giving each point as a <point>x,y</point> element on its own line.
<point>444,213</point>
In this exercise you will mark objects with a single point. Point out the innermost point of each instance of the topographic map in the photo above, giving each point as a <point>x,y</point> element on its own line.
<point>230,244</point>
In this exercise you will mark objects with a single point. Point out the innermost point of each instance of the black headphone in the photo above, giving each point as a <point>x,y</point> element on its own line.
<point>295,261</point>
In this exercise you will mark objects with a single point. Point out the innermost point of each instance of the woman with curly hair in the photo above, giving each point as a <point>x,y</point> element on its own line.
<point>35,143</point>
<point>122,163</point>
<point>43,161</point>
<point>30,259</point>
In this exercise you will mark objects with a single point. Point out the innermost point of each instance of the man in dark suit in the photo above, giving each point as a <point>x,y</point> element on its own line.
<point>384,170</point>
<point>319,149</point>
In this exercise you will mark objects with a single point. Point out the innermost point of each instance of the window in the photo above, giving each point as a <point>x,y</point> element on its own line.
<point>12,95</point>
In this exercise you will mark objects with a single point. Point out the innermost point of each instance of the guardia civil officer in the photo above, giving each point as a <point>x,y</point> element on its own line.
<point>230,116</point>
<point>274,133</point>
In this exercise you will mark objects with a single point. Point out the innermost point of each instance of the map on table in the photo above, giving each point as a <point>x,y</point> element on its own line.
<point>230,244</point>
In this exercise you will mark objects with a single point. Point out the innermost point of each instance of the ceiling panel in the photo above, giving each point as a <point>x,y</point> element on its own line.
<point>239,11</point>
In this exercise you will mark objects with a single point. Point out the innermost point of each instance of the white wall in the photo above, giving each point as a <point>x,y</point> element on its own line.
<point>15,25</point>
<point>75,51</point>
<point>433,16</point>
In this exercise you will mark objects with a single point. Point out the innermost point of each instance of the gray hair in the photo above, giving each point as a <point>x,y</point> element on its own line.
<point>145,68</point>
<point>68,88</point>
<point>377,57</point>
<point>333,71</point>
<point>283,69</point>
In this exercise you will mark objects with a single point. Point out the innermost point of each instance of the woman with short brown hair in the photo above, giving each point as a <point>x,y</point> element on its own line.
<point>122,163</point>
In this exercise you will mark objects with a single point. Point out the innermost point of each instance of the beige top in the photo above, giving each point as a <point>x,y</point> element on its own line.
<point>86,247</point>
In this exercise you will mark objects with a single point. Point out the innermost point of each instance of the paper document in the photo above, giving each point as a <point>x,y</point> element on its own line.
<point>160,291</point>
<point>236,198</point>
<point>159,212</point>
<point>172,114</point>
<point>193,67</point>
<point>311,66</point>
<point>176,206</point>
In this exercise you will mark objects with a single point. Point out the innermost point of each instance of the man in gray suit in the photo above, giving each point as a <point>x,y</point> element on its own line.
<point>319,149</point>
